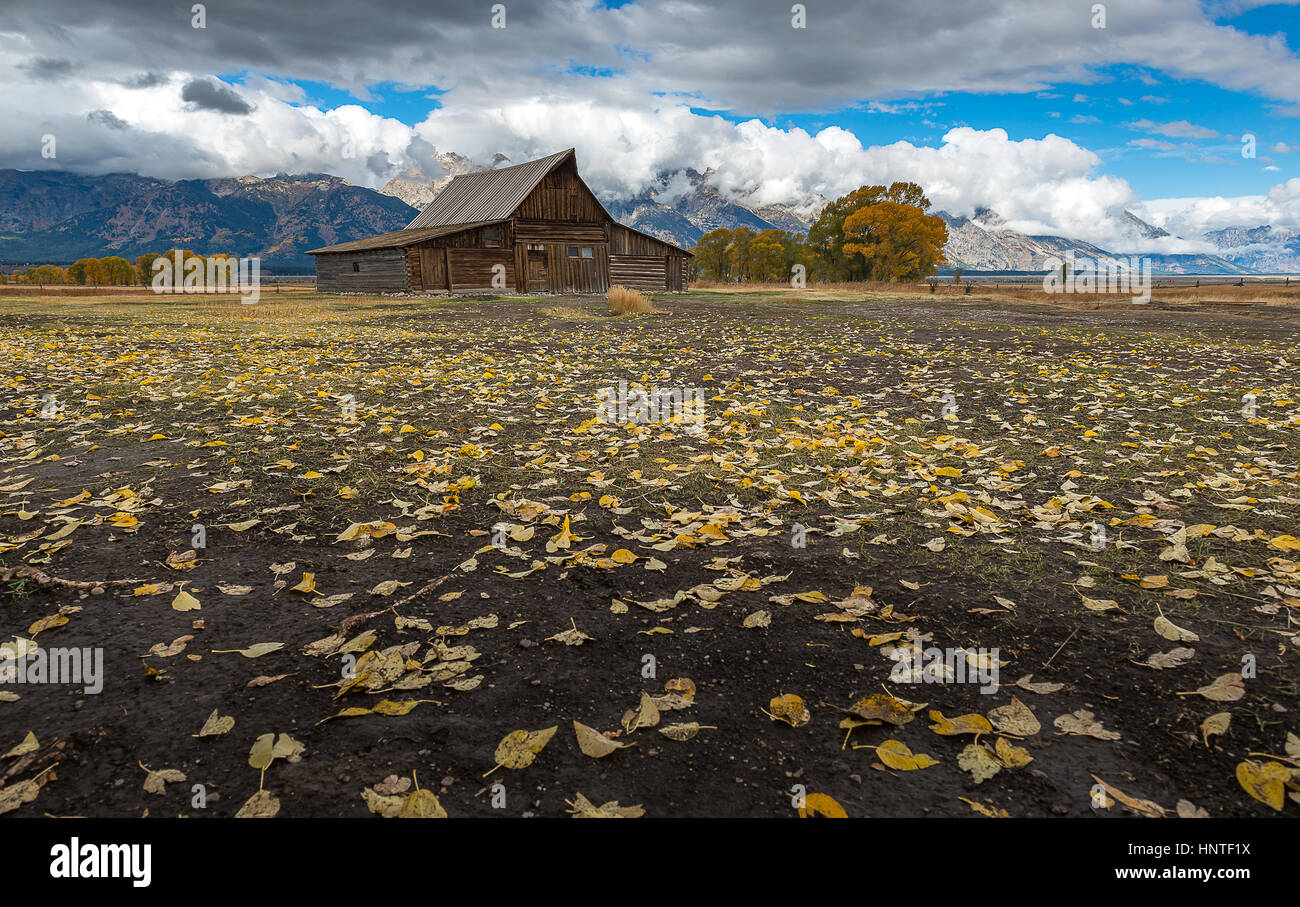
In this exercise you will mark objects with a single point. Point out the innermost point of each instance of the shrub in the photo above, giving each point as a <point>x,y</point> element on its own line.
<point>623,301</point>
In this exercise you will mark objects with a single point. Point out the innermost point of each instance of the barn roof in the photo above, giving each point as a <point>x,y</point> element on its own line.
<point>487,194</point>
<point>399,238</point>
<point>474,200</point>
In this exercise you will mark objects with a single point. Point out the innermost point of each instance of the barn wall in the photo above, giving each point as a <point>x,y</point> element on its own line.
<point>381,271</point>
<point>578,234</point>
<point>471,269</point>
<point>562,197</point>
<point>623,241</point>
<point>577,275</point>
<point>639,272</point>
<point>644,263</point>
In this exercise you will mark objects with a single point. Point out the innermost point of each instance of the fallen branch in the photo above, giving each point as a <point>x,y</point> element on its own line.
<point>44,579</point>
<point>427,587</point>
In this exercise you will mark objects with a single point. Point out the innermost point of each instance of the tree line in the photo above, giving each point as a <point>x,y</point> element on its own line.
<point>873,233</point>
<point>112,271</point>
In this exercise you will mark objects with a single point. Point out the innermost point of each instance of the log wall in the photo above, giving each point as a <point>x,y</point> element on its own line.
<point>379,271</point>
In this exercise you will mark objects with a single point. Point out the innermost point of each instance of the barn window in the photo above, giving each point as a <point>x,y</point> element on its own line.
<point>536,247</point>
<point>586,252</point>
<point>356,267</point>
<point>492,238</point>
<point>573,251</point>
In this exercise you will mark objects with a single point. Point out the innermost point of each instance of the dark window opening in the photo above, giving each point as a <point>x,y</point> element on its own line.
<point>356,267</point>
<point>573,251</point>
<point>492,238</point>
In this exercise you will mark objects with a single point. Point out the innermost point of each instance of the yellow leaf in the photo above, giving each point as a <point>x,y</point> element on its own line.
<point>821,806</point>
<point>1216,724</point>
<point>46,623</point>
<point>979,762</point>
<point>1166,628</point>
<point>1265,781</point>
<point>185,602</point>
<point>897,755</point>
<point>1285,543</point>
<point>262,805</point>
<point>518,749</point>
<point>1016,719</point>
<point>593,743</point>
<point>29,745</point>
<point>790,709</point>
<point>962,724</point>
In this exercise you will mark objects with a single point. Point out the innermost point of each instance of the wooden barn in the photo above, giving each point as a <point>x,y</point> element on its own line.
<point>529,228</point>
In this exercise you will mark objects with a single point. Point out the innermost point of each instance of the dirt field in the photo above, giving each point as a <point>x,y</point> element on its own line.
<point>419,535</point>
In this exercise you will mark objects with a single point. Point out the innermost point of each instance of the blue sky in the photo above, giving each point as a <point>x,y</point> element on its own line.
<point>1122,113</point>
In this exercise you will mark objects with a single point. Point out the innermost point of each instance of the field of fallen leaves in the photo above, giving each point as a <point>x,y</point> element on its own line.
<point>354,556</point>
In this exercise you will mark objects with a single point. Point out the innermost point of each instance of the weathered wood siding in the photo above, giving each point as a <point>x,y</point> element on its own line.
<point>472,269</point>
<point>623,241</point>
<point>642,262</point>
<point>562,197</point>
<point>639,272</point>
<point>578,234</point>
<point>576,275</point>
<point>377,271</point>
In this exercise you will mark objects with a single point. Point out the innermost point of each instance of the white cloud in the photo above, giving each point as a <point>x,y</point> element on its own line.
<point>1177,129</point>
<point>1280,206</point>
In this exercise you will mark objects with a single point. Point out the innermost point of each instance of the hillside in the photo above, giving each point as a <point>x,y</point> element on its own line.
<point>58,217</point>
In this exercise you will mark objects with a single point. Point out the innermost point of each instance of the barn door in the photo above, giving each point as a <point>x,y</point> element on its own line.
<point>537,271</point>
<point>433,268</point>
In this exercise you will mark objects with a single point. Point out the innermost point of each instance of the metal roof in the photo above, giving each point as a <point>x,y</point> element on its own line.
<point>474,200</point>
<point>399,238</point>
<point>487,195</point>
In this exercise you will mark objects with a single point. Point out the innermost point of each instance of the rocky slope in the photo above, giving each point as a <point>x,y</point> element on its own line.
<point>58,217</point>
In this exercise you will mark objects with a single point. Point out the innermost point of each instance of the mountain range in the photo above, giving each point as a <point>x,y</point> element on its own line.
<point>57,217</point>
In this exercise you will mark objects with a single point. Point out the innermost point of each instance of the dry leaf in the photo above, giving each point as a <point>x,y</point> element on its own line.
<point>595,744</point>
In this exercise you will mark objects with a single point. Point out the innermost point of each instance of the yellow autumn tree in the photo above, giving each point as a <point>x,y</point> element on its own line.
<point>898,241</point>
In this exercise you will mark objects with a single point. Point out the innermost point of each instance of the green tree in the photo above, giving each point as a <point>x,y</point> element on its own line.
<point>118,271</point>
<point>144,268</point>
<point>740,253</point>
<point>767,255</point>
<point>45,275</point>
<point>711,259</point>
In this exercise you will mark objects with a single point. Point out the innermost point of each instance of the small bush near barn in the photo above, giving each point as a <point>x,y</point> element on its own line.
<point>623,301</point>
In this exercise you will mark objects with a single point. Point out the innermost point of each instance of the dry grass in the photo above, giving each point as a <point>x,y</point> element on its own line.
<point>23,289</point>
<point>283,308</point>
<point>986,289</point>
<point>567,312</point>
<point>623,301</point>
